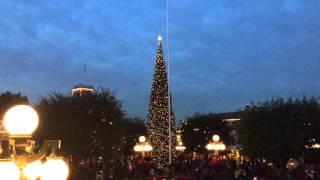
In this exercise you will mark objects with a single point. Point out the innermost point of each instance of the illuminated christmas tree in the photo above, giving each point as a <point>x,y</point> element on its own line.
<point>158,116</point>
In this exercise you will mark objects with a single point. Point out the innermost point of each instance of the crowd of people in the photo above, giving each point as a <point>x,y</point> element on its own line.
<point>192,167</point>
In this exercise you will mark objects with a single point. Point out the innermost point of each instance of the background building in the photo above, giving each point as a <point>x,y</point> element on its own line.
<point>82,89</point>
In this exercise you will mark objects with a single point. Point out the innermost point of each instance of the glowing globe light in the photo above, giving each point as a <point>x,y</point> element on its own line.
<point>142,146</point>
<point>180,147</point>
<point>21,120</point>
<point>9,171</point>
<point>216,145</point>
<point>142,139</point>
<point>32,170</point>
<point>55,169</point>
<point>147,147</point>
<point>221,147</point>
<point>138,148</point>
<point>215,138</point>
<point>316,146</point>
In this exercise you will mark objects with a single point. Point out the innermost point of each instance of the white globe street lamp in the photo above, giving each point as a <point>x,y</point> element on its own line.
<point>9,171</point>
<point>142,139</point>
<point>32,170</point>
<point>180,147</point>
<point>142,146</point>
<point>54,169</point>
<point>18,159</point>
<point>21,120</point>
<point>216,145</point>
<point>215,138</point>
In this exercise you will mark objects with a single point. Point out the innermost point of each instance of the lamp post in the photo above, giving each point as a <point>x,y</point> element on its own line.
<point>18,160</point>
<point>216,145</point>
<point>180,147</point>
<point>142,146</point>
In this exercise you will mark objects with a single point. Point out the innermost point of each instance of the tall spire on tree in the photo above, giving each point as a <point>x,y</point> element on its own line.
<point>158,116</point>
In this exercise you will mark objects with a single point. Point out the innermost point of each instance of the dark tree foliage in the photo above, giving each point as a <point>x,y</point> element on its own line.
<point>87,125</point>
<point>133,127</point>
<point>279,129</point>
<point>198,130</point>
<point>8,100</point>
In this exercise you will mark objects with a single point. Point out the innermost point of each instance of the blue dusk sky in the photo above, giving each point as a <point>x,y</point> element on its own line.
<point>223,53</point>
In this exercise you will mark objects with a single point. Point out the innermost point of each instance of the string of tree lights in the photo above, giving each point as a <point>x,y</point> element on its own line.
<point>158,118</point>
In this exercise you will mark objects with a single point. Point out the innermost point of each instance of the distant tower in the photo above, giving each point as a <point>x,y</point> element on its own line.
<point>158,116</point>
<point>82,89</point>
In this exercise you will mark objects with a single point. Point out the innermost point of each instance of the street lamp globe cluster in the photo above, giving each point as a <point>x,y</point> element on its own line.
<point>18,160</point>
<point>143,146</point>
<point>216,145</point>
<point>180,147</point>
